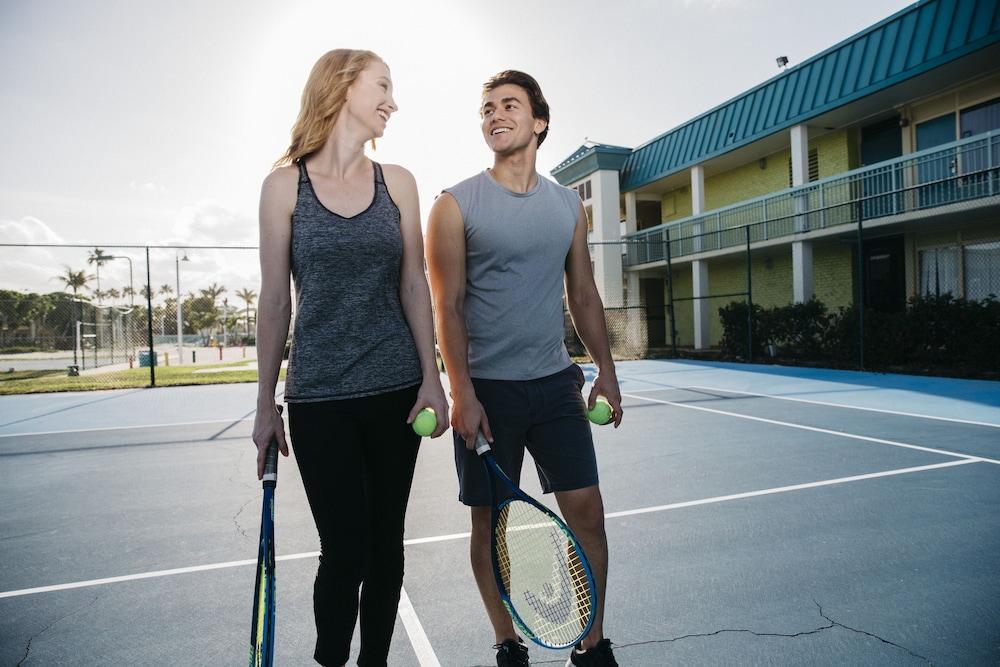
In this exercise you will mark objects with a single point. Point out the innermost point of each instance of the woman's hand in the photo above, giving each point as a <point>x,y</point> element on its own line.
<point>268,426</point>
<point>431,395</point>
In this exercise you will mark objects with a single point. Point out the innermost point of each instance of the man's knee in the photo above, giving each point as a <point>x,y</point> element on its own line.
<point>584,509</point>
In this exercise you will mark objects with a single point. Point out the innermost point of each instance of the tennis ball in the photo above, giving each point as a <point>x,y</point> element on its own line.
<point>425,422</point>
<point>601,413</point>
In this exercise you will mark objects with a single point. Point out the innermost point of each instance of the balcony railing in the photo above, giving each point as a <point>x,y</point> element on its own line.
<point>962,171</point>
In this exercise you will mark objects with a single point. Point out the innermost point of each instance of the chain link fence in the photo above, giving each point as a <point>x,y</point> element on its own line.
<point>76,317</point>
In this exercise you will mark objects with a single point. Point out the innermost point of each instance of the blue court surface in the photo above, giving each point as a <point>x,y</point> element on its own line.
<point>757,515</point>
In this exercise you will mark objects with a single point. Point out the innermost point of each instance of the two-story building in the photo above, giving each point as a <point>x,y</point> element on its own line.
<point>895,130</point>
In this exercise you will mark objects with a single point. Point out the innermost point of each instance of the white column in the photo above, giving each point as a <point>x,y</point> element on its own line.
<point>802,271</point>
<point>631,213</point>
<point>699,268</point>
<point>607,256</point>
<point>802,256</point>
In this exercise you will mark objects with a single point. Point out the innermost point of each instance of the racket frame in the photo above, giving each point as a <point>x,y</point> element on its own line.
<point>495,472</point>
<point>262,626</point>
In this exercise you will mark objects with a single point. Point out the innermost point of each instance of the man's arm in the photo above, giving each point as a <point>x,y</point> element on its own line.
<point>446,264</point>
<point>588,316</point>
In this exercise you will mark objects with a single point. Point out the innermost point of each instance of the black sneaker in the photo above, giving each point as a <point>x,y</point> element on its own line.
<point>512,653</point>
<point>599,655</point>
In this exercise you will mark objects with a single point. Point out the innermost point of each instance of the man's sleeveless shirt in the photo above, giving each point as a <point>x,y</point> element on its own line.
<point>516,247</point>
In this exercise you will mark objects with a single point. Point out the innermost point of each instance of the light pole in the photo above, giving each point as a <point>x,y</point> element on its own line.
<point>131,286</point>
<point>180,335</point>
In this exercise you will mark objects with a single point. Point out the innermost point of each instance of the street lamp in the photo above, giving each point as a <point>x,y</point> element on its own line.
<point>131,286</point>
<point>180,336</point>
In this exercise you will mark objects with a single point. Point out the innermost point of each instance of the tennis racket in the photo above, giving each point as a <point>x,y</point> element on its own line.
<point>262,630</point>
<point>541,571</point>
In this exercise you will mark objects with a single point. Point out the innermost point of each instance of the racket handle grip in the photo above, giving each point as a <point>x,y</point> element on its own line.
<point>271,462</point>
<point>482,444</point>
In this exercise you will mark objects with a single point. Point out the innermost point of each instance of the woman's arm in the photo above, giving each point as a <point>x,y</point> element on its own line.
<point>414,295</point>
<point>277,200</point>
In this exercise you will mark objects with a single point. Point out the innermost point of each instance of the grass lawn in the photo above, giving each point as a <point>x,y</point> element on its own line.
<point>33,382</point>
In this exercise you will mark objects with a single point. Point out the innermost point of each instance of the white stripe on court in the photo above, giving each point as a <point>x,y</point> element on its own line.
<point>850,407</point>
<point>815,429</point>
<point>418,638</point>
<point>460,536</point>
<point>127,428</point>
<point>785,489</point>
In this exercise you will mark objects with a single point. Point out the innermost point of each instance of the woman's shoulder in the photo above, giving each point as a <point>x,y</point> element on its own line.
<point>396,174</point>
<point>399,181</point>
<point>282,177</point>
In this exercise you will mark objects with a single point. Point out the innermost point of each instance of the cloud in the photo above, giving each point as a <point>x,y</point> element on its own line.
<point>148,188</point>
<point>27,230</point>
<point>209,223</point>
<point>31,269</point>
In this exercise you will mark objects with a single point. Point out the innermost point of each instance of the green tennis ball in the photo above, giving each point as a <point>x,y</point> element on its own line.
<point>601,413</point>
<point>425,423</point>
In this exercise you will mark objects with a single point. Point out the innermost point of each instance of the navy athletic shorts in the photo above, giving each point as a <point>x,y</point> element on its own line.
<point>548,416</point>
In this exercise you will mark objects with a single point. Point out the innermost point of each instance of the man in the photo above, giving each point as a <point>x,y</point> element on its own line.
<point>499,246</point>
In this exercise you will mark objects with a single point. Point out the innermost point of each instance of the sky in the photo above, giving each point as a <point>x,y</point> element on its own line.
<point>137,122</point>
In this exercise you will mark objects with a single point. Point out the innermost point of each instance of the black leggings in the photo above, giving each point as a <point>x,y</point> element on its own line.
<point>356,457</point>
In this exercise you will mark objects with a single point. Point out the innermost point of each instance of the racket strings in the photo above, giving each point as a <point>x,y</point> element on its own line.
<point>545,578</point>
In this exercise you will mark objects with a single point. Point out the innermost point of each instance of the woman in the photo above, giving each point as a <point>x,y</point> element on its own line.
<point>362,363</point>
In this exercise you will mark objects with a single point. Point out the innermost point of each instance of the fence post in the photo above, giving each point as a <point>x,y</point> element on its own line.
<point>149,323</point>
<point>670,296</point>
<point>861,287</point>
<point>749,300</point>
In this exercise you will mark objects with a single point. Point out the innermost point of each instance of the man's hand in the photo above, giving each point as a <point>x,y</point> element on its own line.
<point>606,385</point>
<point>468,418</point>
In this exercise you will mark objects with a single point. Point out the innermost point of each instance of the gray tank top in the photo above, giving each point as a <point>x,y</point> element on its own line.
<point>516,246</point>
<point>350,337</point>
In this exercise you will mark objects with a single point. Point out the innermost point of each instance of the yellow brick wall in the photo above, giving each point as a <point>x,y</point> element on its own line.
<point>833,279</point>
<point>683,312</point>
<point>747,182</point>
<point>836,152</point>
<point>676,204</point>
<point>772,277</point>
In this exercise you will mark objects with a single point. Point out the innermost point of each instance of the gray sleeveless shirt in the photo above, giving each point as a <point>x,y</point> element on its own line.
<point>515,247</point>
<point>350,338</point>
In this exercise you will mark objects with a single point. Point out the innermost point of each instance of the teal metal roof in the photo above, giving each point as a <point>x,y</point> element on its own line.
<point>589,158</point>
<point>919,38</point>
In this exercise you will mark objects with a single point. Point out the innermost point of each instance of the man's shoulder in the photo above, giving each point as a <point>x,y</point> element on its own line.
<point>569,195</point>
<point>466,184</point>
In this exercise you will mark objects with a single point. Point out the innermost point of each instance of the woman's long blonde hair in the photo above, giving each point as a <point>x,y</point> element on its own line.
<point>322,100</point>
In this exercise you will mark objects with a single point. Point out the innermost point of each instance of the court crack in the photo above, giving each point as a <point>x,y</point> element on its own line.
<point>27,647</point>
<point>831,623</point>
<point>236,517</point>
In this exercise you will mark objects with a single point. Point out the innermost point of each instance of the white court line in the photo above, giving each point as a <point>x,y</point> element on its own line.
<point>814,429</point>
<point>851,407</point>
<point>126,428</point>
<point>460,536</point>
<point>784,489</point>
<point>418,638</point>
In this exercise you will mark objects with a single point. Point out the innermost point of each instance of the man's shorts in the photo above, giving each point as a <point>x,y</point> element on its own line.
<point>549,417</point>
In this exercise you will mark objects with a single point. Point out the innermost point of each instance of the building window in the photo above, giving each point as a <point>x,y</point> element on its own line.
<point>939,271</point>
<point>980,118</point>
<point>813,167</point>
<point>589,212</point>
<point>982,270</point>
<point>584,190</point>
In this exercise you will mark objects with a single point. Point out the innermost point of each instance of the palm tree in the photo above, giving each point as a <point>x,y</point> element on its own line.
<point>74,280</point>
<point>248,296</point>
<point>98,257</point>
<point>166,289</point>
<point>213,291</point>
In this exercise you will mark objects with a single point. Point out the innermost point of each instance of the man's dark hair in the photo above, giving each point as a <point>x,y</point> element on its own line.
<point>539,107</point>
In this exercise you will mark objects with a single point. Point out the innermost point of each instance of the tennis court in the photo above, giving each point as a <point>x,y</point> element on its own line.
<point>756,515</point>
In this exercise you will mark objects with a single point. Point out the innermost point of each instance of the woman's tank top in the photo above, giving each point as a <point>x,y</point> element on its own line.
<point>350,337</point>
